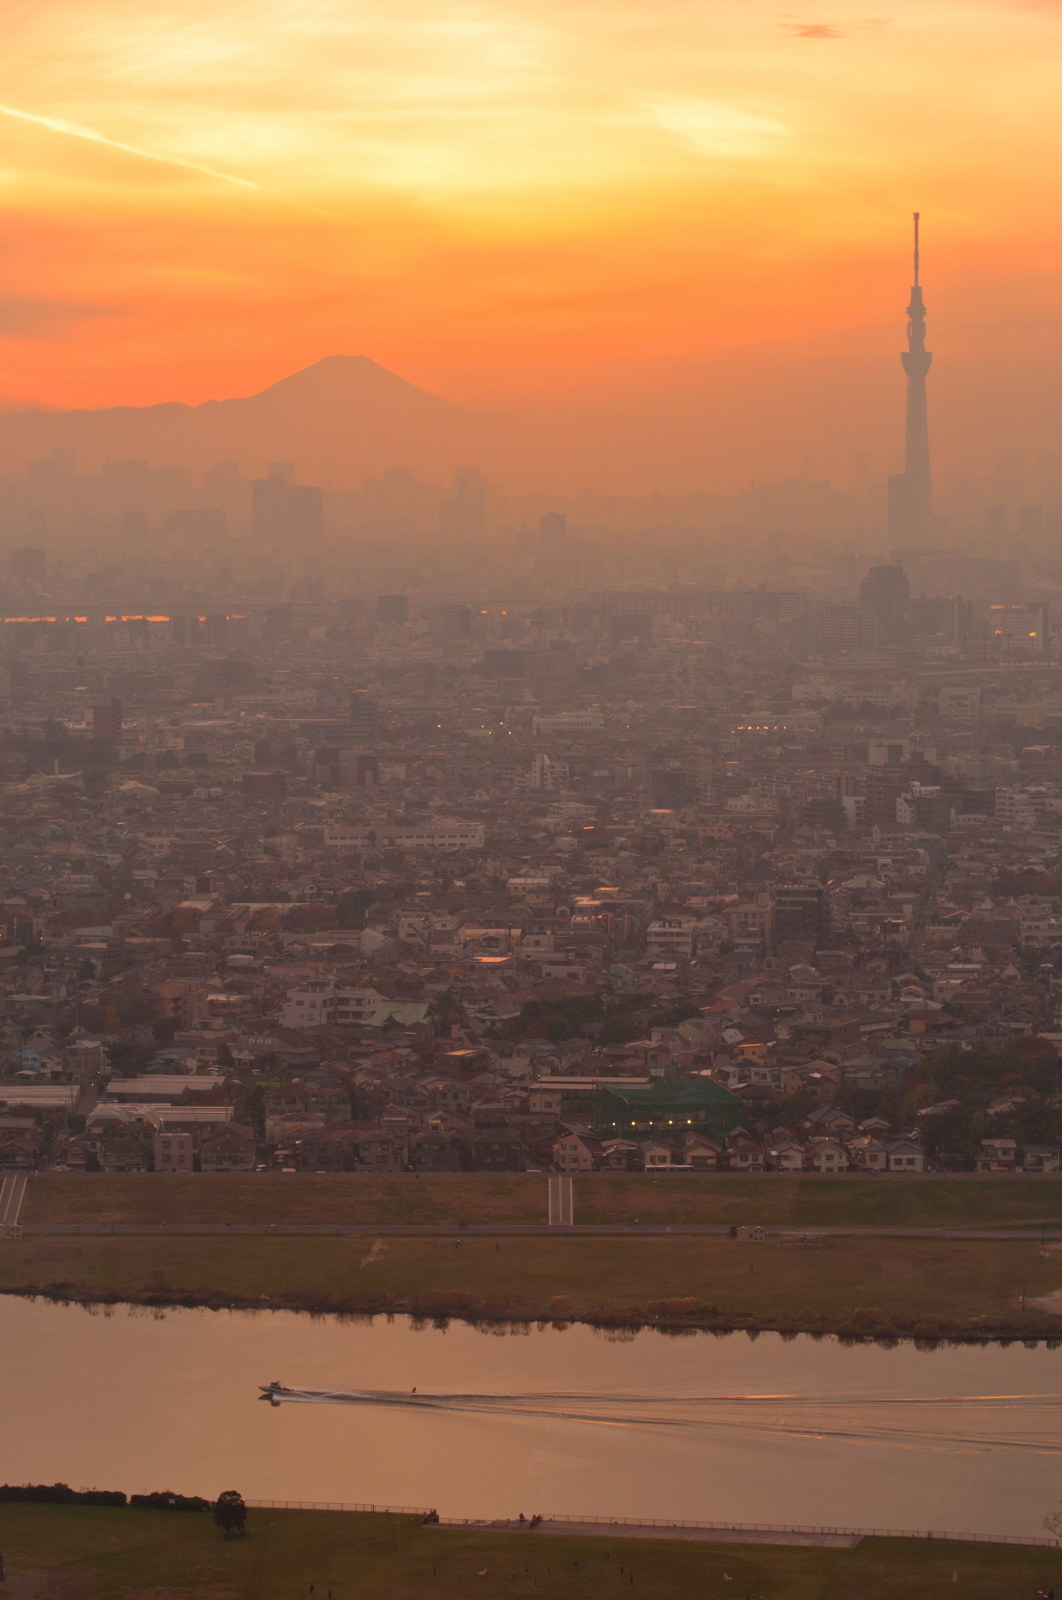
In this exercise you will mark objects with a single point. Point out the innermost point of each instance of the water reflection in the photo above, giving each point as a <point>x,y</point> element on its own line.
<point>799,1430</point>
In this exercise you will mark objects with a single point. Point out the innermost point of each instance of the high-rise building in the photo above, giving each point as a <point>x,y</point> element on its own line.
<point>392,607</point>
<point>464,514</point>
<point>883,597</point>
<point>552,534</point>
<point>800,911</point>
<point>29,564</point>
<point>282,511</point>
<point>455,622</point>
<point>911,492</point>
<point>363,717</point>
<point>305,511</point>
<point>269,505</point>
<point>107,722</point>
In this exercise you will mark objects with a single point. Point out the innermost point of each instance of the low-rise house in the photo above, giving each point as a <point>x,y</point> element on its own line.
<point>174,1152</point>
<point>868,1154</point>
<point>905,1155</point>
<point>230,1149</point>
<point>785,1155</point>
<point>702,1155</point>
<point>745,1153</point>
<point>436,1150</point>
<point>826,1156</point>
<point>332,1147</point>
<point>499,1150</point>
<point>829,1122</point>
<point>381,1150</point>
<point>1042,1158</point>
<point>124,1152</point>
<point>18,1151</point>
<point>576,1152</point>
<point>76,1152</point>
<point>997,1155</point>
<point>621,1155</point>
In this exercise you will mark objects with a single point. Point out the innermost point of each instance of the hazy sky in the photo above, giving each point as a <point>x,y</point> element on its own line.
<point>518,198</point>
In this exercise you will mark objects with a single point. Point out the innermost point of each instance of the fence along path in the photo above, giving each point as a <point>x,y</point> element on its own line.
<point>658,1528</point>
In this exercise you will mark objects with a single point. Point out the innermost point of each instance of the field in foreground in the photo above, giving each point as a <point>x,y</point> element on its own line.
<point>843,1283</point>
<point>520,1198</point>
<point>71,1553</point>
<point>300,1199</point>
<point>809,1202</point>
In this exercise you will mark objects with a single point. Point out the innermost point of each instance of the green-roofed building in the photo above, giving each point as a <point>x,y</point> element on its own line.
<point>665,1108</point>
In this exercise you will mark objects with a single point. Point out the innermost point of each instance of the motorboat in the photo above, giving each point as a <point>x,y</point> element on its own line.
<point>276,1392</point>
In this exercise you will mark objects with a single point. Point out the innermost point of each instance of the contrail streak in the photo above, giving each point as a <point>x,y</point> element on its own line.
<point>74,131</point>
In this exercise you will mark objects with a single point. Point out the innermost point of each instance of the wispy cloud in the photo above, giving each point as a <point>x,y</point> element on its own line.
<point>718,129</point>
<point>73,130</point>
<point>832,30</point>
<point>813,30</point>
<point>40,317</point>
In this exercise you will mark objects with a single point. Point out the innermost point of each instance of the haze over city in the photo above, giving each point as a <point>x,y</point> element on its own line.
<point>530,800</point>
<point>688,220</point>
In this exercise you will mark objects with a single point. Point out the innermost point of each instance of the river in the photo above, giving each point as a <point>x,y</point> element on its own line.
<point>771,1430</point>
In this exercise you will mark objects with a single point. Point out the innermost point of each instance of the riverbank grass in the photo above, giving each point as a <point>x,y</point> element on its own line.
<point>291,1199</point>
<point>514,1199</point>
<point>72,1553</point>
<point>875,1285</point>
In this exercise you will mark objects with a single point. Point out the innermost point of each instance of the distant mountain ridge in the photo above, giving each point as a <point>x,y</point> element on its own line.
<point>338,419</point>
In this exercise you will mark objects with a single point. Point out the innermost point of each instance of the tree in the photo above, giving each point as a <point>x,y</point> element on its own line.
<point>230,1513</point>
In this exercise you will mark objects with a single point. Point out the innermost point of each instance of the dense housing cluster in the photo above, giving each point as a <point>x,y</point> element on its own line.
<point>661,880</point>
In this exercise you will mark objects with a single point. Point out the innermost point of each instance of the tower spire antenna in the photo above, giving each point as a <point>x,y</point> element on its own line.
<point>911,492</point>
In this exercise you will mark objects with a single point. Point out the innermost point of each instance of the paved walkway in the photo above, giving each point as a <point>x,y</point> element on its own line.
<point>660,1530</point>
<point>1051,1232</point>
<point>609,1530</point>
<point>12,1192</point>
<point>561,1200</point>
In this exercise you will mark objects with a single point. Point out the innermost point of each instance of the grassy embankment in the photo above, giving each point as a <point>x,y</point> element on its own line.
<point>816,1202</point>
<point>363,1200</point>
<point>871,1285</point>
<point>301,1199</point>
<point>71,1553</point>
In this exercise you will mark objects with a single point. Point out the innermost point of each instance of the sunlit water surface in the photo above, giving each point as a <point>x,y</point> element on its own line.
<point>797,1432</point>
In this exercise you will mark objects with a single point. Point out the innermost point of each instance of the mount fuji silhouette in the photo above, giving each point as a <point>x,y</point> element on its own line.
<point>337,420</point>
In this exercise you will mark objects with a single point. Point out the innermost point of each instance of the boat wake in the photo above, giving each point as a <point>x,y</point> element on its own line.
<point>996,1421</point>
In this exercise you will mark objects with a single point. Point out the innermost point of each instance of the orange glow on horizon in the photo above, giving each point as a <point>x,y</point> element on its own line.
<point>515,205</point>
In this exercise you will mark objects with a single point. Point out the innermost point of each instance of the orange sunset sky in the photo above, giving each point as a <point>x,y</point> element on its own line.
<point>519,201</point>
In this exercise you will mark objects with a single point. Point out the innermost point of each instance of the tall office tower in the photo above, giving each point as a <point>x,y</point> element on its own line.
<point>282,511</point>
<point>107,722</point>
<point>464,514</point>
<point>911,491</point>
<point>552,534</point>
<point>28,565</point>
<point>883,598</point>
<point>392,608</point>
<point>305,511</point>
<point>363,718</point>
<point>269,509</point>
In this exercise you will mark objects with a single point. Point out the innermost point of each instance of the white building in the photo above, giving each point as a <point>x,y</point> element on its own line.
<point>441,833</point>
<point>569,722</point>
<point>675,937</point>
<point>316,1005</point>
<point>549,774</point>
